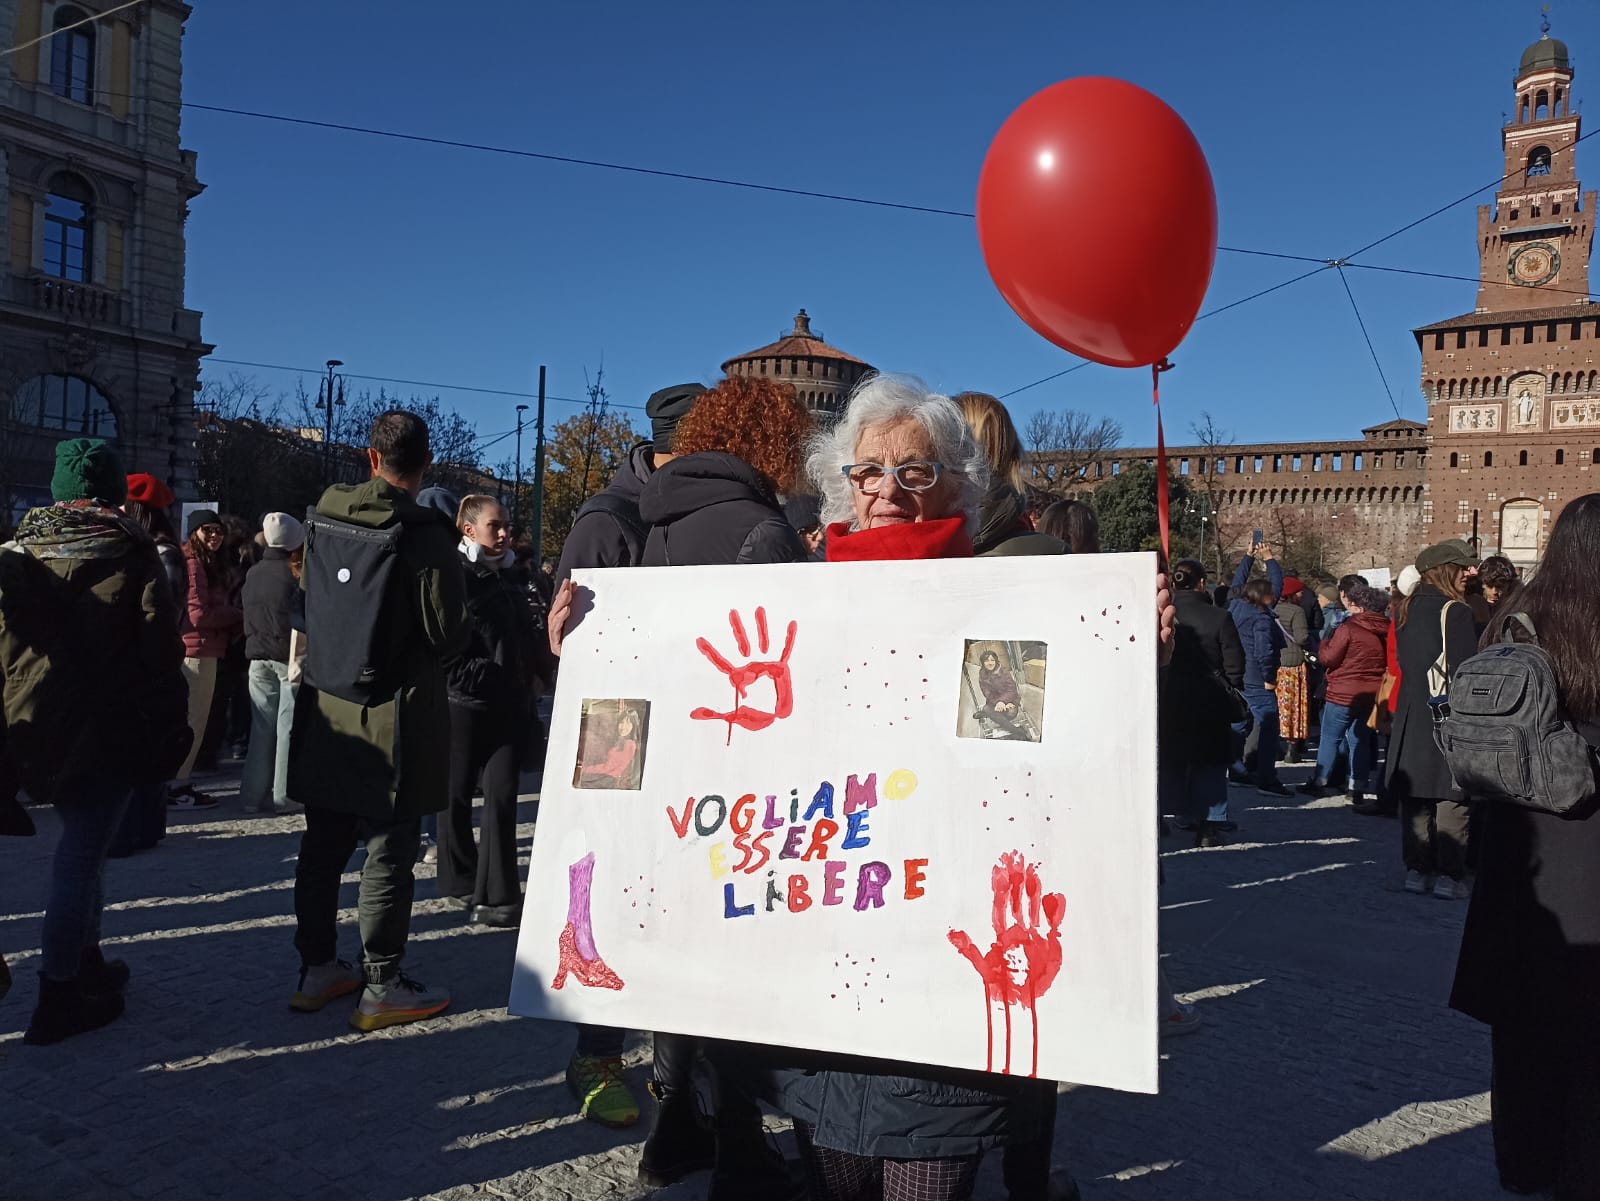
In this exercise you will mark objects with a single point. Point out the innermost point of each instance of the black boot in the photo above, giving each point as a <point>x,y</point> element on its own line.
<point>1210,835</point>
<point>748,1167</point>
<point>97,974</point>
<point>1297,752</point>
<point>679,1144</point>
<point>66,1009</point>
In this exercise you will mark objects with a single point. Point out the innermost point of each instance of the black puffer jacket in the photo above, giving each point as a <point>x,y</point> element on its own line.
<point>497,669</point>
<point>269,599</point>
<point>711,508</point>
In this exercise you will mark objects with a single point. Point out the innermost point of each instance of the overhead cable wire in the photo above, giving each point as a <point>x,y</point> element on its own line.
<point>412,383</point>
<point>1372,350</point>
<point>89,20</point>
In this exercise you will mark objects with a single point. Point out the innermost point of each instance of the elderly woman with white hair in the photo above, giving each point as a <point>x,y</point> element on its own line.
<point>901,477</point>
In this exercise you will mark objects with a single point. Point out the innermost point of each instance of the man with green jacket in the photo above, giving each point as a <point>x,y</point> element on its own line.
<point>369,772</point>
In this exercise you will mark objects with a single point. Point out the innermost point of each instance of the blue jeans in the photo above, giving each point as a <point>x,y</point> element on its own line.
<point>266,765</point>
<point>1194,791</point>
<point>1263,740</point>
<point>89,819</point>
<point>1344,727</point>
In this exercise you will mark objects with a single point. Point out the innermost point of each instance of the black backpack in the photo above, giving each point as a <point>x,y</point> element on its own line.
<point>626,514</point>
<point>349,577</point>
<point>1502,731</point>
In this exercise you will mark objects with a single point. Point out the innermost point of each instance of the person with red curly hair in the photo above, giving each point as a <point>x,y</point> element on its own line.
<point>716,503</point>
<point>738,450</point>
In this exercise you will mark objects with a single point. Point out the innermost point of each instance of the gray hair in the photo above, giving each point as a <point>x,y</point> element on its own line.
<point>884,399</point>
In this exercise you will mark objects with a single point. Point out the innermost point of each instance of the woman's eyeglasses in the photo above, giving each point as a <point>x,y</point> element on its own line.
<point>911,477</point>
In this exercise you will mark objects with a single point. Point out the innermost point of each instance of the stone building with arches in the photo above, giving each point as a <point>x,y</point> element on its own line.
<point>1513,387</point>
<point>820,374</point>
<point>94,191</point>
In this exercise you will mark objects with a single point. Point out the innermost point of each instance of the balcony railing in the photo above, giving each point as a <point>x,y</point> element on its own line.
<point>71,300</point>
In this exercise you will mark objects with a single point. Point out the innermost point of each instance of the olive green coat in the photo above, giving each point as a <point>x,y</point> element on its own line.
<point>389,762</point>
<point>94,688</point>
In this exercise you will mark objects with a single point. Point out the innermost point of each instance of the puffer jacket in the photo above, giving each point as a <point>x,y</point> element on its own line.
<point>710,508</point>
<point>270,590</point>
<point>213,619</point>
<point>1355,655</point>
<point>601,537</point>
<point>498,667</point>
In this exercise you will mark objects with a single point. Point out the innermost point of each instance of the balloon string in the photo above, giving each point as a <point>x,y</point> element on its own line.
<point>1163,483</point>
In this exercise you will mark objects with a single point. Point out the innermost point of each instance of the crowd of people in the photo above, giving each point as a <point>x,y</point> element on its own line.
<point>381,662</point>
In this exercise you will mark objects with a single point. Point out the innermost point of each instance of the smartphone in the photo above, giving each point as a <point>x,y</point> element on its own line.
<point>1257,537</point>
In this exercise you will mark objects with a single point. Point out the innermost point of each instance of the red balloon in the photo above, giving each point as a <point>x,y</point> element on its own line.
<point>1098,220</point>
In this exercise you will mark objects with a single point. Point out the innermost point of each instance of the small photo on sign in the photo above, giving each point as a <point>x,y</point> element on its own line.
<point>1002,690</point>
<point>611,743</point>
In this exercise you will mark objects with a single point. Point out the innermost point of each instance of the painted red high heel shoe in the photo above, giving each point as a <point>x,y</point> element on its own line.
<point>592,973</point>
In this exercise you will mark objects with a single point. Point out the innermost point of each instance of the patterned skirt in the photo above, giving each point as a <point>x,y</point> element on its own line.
<point>1292,696</point>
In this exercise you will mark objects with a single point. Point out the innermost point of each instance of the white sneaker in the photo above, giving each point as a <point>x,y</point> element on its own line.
<point>1181,1019</point>
<point>1447,889</point>
<point>1416,882</point>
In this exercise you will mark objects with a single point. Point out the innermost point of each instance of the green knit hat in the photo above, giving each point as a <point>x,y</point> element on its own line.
<point>88,469</point>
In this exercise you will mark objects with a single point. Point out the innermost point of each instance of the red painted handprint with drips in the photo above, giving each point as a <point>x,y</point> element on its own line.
<point>1022,963</point>
<point>775,670</point>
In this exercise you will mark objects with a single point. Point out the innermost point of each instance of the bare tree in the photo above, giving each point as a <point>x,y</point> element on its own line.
<point>1215,444</point>
<point>1069,441</point>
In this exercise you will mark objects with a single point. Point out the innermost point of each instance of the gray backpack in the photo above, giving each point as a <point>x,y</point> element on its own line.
<point>1502,731</point>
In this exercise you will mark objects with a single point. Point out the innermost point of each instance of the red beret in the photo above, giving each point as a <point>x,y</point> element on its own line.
<point>1292,586</point>
<point>148,490</point>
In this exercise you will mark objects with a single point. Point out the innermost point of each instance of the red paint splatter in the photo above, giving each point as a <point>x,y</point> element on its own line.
<point>1021,964</point>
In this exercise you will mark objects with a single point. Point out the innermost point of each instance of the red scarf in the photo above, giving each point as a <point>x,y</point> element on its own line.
<point>942,539</point>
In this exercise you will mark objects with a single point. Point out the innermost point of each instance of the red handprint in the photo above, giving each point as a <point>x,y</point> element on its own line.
<point>776,670</point>
<point>1022,963</point>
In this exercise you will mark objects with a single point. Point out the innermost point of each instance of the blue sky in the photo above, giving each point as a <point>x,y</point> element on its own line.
<point>1327,125</point>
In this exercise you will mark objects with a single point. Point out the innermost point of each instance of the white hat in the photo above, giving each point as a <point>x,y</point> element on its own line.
<point>283,532</point>
<point>1410,577</point>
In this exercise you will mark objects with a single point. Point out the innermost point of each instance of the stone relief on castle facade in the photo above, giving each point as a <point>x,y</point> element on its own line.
<point>1472,419</point>
<point>1572,414</point>
<point>1527,400</point>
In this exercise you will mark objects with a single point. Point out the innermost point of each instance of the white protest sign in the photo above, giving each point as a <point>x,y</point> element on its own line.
<point>1376,577</point>
<point>903,810</point>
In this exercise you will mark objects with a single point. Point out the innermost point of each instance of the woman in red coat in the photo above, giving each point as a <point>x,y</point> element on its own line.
<point>1354,656</point>
<point>211,621</point>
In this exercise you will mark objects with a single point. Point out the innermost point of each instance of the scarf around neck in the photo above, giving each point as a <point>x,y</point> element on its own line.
<point>80,529</point>
<point>476,552</point>
<point>943,539</point>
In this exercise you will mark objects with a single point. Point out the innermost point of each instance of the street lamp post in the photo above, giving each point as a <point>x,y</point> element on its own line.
<point>517,495</point>
<point>538,473</point>
<point>327,401</point>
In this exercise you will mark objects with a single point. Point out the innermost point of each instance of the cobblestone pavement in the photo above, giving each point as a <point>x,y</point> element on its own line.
<point>1328,1065</point>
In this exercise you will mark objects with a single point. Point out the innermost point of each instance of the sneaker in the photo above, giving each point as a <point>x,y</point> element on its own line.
<point>187,798</point>
<point>396,1001</point>
<point>1416,882</point>
<point>325,982</point>
<point>430,850</point>
<point>603,1096</point>
<point>1447,889</point>
<point>1273,789</point>
<point>1183,1019</point>
<point>1210,835</point>
<point>286,807</point>
<point>1311,788</point>
<point>1235,776</point>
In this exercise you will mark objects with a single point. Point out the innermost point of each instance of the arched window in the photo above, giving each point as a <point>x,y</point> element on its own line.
<point>1538,160</point>
<point>1488,458</point>
<point>68,224</point>
<point>1522,458</point>
<point>65,402</point>
<point>72,57</point>
<point>1541,106</point>
<point>1455,459</point>
<point>1561,457</point>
